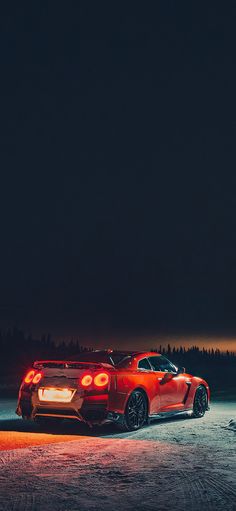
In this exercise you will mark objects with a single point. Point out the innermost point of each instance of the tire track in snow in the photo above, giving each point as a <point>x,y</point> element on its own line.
<point>7,457</point>
<point>222,488</point>
<point>22,502</point>
<point>196,494</point>
<point>3,460</point>
<point>206,491</point>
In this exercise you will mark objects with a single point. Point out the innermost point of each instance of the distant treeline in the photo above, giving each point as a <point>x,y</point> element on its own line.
<point>18,351</point>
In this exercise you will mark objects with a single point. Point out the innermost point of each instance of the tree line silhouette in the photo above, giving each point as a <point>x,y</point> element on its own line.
<point>217,367</point>
<point>18,351</point>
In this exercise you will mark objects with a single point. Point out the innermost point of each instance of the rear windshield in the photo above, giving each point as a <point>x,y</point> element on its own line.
<point>112,358</point>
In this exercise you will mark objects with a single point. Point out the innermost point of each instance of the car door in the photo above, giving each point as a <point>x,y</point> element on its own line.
<point>150,384</point>
<point>172,386</point>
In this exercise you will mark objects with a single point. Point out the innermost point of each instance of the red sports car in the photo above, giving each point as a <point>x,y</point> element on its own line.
<point>126,388</point>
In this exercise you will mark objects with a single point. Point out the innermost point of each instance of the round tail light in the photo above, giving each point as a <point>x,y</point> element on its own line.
<point>29,377</point>
<point>86,380</point>
<point>37,378</point>
<point>101,379</point>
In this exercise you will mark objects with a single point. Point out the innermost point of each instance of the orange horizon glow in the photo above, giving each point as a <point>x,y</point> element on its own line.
<point>144,342</point>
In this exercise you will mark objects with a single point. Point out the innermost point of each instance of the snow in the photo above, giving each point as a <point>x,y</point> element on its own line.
<point>188,464</point>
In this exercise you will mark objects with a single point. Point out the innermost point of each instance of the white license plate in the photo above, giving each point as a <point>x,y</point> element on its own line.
<point>56,395</point>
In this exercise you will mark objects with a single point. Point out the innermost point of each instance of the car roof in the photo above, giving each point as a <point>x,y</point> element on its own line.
<point>113,357</point>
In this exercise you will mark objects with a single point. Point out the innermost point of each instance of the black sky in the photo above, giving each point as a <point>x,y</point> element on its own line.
<point>118,178</point>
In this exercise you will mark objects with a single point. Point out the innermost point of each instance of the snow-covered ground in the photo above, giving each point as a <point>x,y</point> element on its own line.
<point>182,464</point>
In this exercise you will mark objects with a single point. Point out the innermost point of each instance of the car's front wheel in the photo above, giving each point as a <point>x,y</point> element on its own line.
<point>136,411</point>
<point>200,402</point>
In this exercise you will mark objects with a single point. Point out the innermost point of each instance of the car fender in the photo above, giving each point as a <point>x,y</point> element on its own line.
<point>195,383</point>
<point>126,383</point>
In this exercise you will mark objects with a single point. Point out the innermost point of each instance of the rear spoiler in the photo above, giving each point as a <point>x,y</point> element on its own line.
<point>67,364</point>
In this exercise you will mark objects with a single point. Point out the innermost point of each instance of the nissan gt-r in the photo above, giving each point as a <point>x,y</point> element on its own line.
<point>126,388</point>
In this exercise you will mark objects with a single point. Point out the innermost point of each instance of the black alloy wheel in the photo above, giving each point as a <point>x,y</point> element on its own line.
<point>136,411</point>
<point>200,402</point>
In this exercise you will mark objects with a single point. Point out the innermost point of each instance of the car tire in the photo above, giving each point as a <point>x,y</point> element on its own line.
<point>200,402</point>
<point>136,412</point>
<point>25,417</point>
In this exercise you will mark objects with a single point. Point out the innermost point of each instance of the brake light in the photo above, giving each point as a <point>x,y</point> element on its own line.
<point>86,380</point>
<point>101,379</point>
<point>37,378</point>
<point>29,377</point>
<point>33,377</point>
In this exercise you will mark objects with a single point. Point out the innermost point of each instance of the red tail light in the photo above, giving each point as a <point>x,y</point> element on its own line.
<point>33,377</point>
<point>101,379</point>
<point>29,377</point>
<point>86,380</point>
<point>37,378</point>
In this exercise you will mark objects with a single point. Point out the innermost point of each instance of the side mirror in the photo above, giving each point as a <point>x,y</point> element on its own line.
<point>167,377</point>
<point>181,370</point>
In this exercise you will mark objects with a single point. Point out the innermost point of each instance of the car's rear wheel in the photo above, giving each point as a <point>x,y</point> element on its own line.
<point>136,411</point>
<point>200,402</point>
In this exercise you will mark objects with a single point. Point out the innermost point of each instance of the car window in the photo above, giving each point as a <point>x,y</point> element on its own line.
<point>162,364</point>
<point>144,364</point>
<point>125,362</point>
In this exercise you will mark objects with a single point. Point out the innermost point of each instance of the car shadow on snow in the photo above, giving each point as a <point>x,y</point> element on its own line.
<point>69,427</point>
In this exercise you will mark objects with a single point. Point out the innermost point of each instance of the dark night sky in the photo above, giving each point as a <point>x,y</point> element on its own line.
<point>118,209</point>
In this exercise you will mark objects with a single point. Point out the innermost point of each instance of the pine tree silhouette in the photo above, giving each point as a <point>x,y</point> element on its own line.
<point>18,351</point>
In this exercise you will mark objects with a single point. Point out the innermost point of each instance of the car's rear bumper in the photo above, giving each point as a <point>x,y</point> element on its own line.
<point>90,409</point>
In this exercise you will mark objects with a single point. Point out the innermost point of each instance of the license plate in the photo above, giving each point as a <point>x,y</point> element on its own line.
<point>56,395</point>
